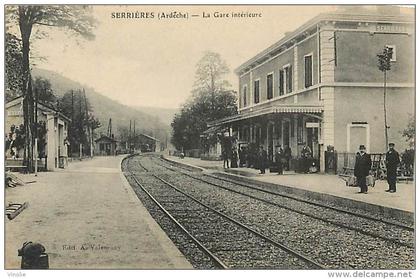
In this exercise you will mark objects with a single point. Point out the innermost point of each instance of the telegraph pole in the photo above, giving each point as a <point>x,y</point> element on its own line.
<point>88,126</point>
<point>129,138</point>
<point>81,127</point>
<point>71,132</point>
<point>134,138</point>
<point>36,132</point>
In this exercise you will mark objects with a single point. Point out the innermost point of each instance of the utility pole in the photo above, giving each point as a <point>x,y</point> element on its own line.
<point>88,126</point>
<point>109,131</point>
<point>134,138</point>
<point>71,126</point>
<point>81,127</point>
<point>36,132</point>
<point>129,138</point>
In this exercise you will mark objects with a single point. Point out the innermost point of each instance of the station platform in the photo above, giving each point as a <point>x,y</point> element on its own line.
<point>326,187</point>
<point>88,217</point>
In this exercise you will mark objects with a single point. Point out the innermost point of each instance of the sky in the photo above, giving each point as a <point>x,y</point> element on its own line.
<point>152,62</point>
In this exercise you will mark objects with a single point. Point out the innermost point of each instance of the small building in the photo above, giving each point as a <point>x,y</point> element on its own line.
<point>140,142</point>
<point>52,135</point>
<point>320,86</point>
<point>106,146</point>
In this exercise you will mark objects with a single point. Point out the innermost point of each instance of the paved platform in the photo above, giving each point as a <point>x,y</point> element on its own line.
<point>403,199</point>
<point>88,217</point>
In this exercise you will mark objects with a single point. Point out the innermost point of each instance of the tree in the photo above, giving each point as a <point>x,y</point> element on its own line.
<point>45,94</point>
<point>75,18</point>
<point>210,101</point>
<point>384,65</point>
<point>410,132</point>
<point>77,107</point>
<point>13,67</point>
<point>210,70</point>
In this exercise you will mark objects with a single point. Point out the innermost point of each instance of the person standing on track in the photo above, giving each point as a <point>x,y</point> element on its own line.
<point>392,161</point>
<point>361,168</point>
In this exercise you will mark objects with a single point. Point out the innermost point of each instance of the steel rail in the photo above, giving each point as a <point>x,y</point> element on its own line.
<point>213,257</point>
<point>299,212</point>
<point>404,226</point>
<point>246,227</point>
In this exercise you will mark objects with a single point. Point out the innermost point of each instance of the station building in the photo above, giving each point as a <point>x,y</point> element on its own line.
<point>52,147</point>
<point>140,142</point>
<point>320,85</point>
<point>106,146</point>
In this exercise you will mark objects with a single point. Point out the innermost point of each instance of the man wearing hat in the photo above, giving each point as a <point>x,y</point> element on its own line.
<point>392,159</point>
<point>362,168</point>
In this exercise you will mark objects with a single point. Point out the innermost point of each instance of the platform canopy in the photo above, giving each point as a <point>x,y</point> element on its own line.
<point>289,108</point>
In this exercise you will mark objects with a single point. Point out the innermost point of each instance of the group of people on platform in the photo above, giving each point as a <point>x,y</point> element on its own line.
<point>259,159</point>
<point>363,166</point>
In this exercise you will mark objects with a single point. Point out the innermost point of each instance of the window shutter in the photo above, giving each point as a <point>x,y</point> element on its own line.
<point>281,82</point>
<point>308,71</point>
<point>290,80</point>
<point>269,87</point>
<point>256,91</point>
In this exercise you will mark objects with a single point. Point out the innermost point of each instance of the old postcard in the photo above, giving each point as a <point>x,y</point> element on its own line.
<point>210,137</point>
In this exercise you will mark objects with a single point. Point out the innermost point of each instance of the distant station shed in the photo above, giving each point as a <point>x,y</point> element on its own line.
<point>140,142</point>
<point>105,146</point>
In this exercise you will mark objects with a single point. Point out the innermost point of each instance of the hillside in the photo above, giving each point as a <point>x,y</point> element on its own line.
<point>166,115</point>
<point>105,108</point>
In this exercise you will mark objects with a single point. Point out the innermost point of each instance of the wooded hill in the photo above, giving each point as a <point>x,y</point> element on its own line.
<point>105,108</point>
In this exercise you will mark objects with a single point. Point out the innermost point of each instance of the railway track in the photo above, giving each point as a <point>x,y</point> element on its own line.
<point>284,195</point>
<point>331,242</point>
<point>267,197</point>
<point>228,242</point>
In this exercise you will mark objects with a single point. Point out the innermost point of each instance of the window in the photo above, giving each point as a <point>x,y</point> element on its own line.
<point>281,82</point>
<point>244,95</point>
<point>394,52</point>
<point>288,78</point>
<point>308,70</point>
<point>269,86</point>
<point>256,91</point>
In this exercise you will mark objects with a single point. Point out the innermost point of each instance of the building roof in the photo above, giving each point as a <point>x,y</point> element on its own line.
<point>347,15</point>
<point>288,108</point>
<point>106,138</point>
<point>149,137</point>
<point>213,130</point>
<point>41,106</point>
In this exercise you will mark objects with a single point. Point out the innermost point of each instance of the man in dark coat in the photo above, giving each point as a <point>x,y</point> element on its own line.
<point>306,155</point>
<point>287,155</point>
<point>279,157</point>
<point>234,159</point>
<point>361,168</point>
<point>392,161</point>
<point>262,158</point>
<point>225,158</point>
